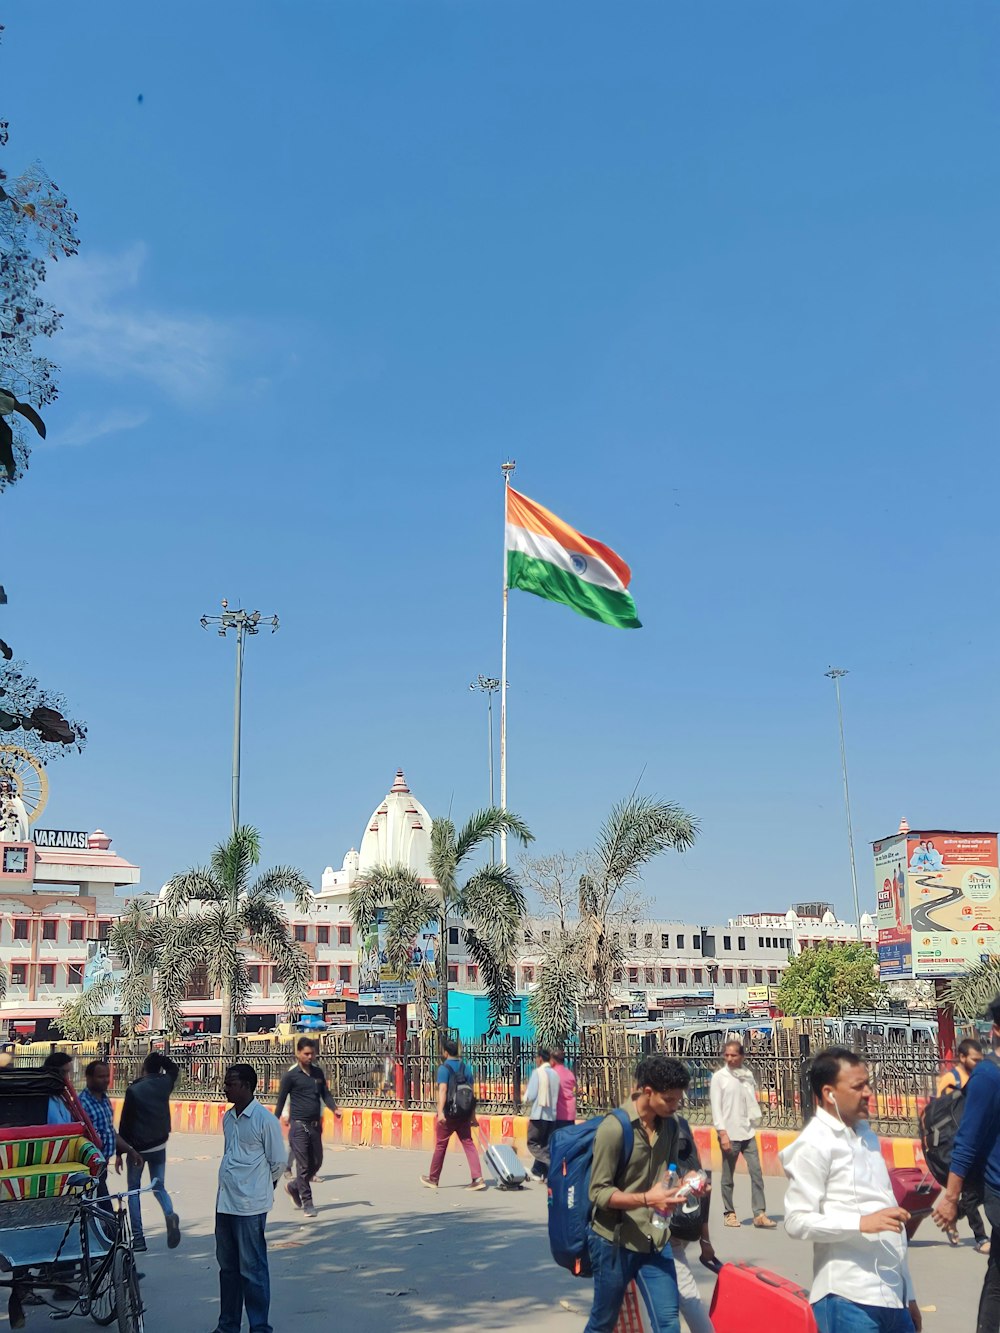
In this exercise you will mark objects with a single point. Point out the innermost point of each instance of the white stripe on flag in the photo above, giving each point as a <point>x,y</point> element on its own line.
<point>587,568</point>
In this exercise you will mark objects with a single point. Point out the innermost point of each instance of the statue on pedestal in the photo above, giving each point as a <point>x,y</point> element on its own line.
<point>13,815</point>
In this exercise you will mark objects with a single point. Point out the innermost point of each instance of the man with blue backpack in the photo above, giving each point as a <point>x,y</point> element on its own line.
<point>609,1203</point>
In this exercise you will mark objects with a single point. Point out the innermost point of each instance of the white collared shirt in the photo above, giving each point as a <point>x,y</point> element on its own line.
<point>733,1096</point>
<point>837,1176</point>
<point>253,1160</point>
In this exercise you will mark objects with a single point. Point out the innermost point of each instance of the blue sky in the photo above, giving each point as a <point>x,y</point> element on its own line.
<point>722,278</point>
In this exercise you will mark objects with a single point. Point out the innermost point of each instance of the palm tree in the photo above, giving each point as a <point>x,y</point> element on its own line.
<point>220,911</point>
<point>581,962</point>
<point>409,905</point>
<point>972,993</point>
<point>490,905</point>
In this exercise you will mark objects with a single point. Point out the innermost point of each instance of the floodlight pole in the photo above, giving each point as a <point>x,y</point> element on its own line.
<point>836,674</point>
<point>244,623</point>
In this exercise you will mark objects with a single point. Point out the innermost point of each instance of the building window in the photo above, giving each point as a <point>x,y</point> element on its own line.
<point>772,977</point>
<point>680,941</point>
<point>344,971</point>
<point>528,973</point>
<point>322,934</point>
<point>452,934</point>
<point>650,976</point>
<point>74,974</point>
<point>344,934</point>
<point>617,937</point>
<point>253,974</point>
<point>19,974</point>
<point>744,976</point>
<point>633,976</point>
<point>727,941</point>
<point>741,943</point>
<point>20,928</point>
<point>633,939</point>
<point>47,974</point>
<point>198,987</point>
<point>49,929</point>
<point>103,930</point>
<point>453,974</point>
<point>76,929</point>
<point>696,974</point>
<point>696,942</point>
<point>665,976</point>
<point>472,974</point>
<point>299,934</point>
<point>616,976</point>
<point>528,937</point>
<point>758,975</point>
<point>546,935</point>
<point>682,976</point>
<point>727,976</point>
<point>647,940</point>
<point>760,941</point>
<point>664,941</point>
<point>323,972</point>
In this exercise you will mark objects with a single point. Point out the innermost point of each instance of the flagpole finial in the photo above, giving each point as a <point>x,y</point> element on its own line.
<point>507,468</point>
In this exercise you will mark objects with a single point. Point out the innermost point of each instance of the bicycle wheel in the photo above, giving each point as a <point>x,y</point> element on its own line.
<point>103,1306</point>
<point>128,1299</point>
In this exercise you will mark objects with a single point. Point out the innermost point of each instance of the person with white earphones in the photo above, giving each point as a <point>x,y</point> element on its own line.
<point>839,1196</point>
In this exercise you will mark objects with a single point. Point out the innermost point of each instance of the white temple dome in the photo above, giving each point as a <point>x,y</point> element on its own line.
<point>828,918</point>
<point>398,833</point>
<point>866,920</point>
<point>791,916</point>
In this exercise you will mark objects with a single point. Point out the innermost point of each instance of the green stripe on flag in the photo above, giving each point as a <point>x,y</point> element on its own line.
<point>557,585</point>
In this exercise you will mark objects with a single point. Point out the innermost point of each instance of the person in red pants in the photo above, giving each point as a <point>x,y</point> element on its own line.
<point>454,1076</point>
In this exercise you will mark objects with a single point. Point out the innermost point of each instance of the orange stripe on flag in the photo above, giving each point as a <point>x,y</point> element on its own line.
<point>536,518</point>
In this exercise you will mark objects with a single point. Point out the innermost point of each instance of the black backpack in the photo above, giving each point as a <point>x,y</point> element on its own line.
<point>460,1101</point>
<point>939,1122</point>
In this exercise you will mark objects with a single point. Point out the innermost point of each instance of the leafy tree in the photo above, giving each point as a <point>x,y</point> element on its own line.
<point>37,225</point>
<point>220,910</point>
<point>979,987</point>
<point>580,962</point>
<point>490,905</point>
<point>35,718</point>
<point>831,981</point>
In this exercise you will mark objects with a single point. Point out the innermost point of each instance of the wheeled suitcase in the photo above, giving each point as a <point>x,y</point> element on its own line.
<point>915,1190</point>
<point>752,1300</point>
<point>504,1163</point>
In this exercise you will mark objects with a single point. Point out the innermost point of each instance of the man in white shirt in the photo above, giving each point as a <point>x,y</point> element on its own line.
<point>839,1197</point>
<point>251,1166</point>
<point>736,1115</point>
<point>543,1094</point>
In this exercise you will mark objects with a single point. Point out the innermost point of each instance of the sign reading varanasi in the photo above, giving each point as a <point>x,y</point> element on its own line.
<point>60,837</point>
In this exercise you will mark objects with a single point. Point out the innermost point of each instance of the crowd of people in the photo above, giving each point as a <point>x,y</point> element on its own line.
<point>839,1194</point>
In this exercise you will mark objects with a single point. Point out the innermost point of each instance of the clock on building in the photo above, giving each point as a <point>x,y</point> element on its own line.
<point>15,860</point>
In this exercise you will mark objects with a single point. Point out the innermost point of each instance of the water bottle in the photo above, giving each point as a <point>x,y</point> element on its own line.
<point>661,1220</point>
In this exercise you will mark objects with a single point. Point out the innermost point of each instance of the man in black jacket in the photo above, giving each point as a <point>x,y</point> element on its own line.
<point>145,1123</point>
<point>304,1087</point>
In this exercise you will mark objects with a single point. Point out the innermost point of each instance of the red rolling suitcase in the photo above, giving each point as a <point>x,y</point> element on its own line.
<point>752,1300</point>
<point>916,1191</point>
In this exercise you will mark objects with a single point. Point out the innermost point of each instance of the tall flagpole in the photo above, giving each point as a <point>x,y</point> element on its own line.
<point>506,468</point>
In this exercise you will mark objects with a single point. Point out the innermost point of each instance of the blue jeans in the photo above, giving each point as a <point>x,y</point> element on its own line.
<point>834,1314</point>
<point>652,1272</point>
<point>157,1163</point>
<point>241,1250</point>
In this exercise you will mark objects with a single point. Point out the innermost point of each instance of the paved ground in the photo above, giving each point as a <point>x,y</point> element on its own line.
<point>388,1254</point>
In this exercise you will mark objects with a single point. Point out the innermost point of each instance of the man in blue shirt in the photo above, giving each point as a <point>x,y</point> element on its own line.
<point>977,1148</point>
<point>95,1101</point>
<point>452,1070</point>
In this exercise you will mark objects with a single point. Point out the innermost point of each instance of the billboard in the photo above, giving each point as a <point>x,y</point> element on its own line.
<point>938,902</point>
<point>378,983</point>
<point>892,919</point>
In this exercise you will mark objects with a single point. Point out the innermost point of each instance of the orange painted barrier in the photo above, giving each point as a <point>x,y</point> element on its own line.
<point>366,1127</point>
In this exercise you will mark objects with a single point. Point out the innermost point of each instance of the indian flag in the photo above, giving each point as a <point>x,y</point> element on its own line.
<point>549,558</point>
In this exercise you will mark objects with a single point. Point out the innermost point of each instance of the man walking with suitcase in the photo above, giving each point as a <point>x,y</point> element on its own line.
<point>305,1090</point>
<point>839,1196</point>
<point>736,1115</point>
<point>542,1096</point>
<point>454,1076</point>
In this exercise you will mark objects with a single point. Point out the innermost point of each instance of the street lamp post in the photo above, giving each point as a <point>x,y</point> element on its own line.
<point>244,623</point>
<point>488,685</point>
<point>836,674</point>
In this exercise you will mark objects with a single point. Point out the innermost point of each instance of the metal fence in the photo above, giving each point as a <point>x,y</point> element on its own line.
<point>366,1071</point>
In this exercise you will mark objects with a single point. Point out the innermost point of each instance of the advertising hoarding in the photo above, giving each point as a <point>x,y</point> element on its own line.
<point>379,984</point>
<point>892,919</point>
<point>938,902</point>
